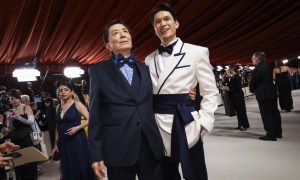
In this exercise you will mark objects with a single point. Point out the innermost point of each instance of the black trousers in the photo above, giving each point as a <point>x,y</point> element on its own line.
<point>270,117</point>
<point>238,101</point>
<point>171,171</point>
<point>146,168</point>
<point>26,172</point>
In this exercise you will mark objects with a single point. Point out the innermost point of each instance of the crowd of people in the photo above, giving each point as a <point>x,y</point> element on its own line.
<point>142,119</point>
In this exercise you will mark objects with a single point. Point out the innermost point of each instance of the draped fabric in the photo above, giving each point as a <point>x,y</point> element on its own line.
<point>63,32</point>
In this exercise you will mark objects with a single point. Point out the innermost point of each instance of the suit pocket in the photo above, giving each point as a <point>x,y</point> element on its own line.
<point>185,66</point>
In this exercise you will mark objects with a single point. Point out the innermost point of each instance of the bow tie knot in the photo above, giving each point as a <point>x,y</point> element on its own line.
<point>121,60</point>
<point>168,49</point>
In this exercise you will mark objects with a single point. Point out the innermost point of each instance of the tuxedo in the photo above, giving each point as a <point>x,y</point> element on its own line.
<point>265,91</point>
<point>120,115</point>
<point>187,65</point>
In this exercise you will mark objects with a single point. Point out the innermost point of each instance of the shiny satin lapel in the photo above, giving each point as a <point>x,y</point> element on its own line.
<point>170,66</point>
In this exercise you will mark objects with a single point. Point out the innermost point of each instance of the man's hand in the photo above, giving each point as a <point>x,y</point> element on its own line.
<point>99,169</point>
<point>8,147</point>
<point>192,94</point>
<point>4,160</point>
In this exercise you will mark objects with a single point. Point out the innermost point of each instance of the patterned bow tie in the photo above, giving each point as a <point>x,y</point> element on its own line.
<point>121,60</point>
<point>168,49</point>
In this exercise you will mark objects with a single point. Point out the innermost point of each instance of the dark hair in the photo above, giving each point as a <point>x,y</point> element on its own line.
<point>49,100</point>
<point>260,55</point>
<point>279,63</point>
<point>67,84</point>
<point>107,26</point>
<point>234,68</point>
<point>162,7</point>
<point>32,104</point>
<point>15,93</point>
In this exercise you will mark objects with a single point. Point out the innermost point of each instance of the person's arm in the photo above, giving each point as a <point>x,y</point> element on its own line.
<point>8,147</point>
<point>4,160</point>
<point>208,90</point>
<point>29,121</point>
<point>56,139</point>
<point>95,134</point>
<point>84,112</point>
<point>255,78</point>
<point>56,142</point>
<point>99,169</point>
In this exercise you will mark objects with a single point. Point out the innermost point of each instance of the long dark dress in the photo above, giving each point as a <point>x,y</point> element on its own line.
<point>284,91</point>
<point>74,161</point>
<point>21,136</point>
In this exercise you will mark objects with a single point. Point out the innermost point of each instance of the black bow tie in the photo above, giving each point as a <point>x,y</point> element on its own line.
<point>168,49</point>
<point>121,60</point>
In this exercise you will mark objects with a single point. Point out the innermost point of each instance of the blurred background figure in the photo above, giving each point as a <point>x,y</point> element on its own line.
<point>228,106</point>
<point>281,75</point>
<point>236,96</point>
<point>20,119</point>
<point>265,92</point>
<point>29,91</point>
<point>50,119</point>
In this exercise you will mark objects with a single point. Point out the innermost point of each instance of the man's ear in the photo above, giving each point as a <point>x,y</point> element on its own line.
<point>108,47</point>
<point>177,24</point>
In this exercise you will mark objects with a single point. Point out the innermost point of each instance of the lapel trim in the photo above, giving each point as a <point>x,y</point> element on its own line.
<point>156,65</point>
<point>180,53</point>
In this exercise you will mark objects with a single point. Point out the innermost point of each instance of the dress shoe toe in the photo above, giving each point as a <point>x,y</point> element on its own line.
<point>266,138</point>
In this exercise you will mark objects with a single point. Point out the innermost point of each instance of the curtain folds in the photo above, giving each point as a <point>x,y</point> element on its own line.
<point>61,32</point>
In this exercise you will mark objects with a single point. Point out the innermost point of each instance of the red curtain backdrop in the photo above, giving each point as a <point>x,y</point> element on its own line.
<point>62,32</point>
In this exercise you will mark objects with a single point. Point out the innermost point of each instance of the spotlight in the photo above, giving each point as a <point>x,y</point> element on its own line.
<point>27,73</point>
<point>73,72</point>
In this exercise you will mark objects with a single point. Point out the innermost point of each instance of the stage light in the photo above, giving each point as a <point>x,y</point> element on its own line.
<point>285,61</point>
<point>25,72</point>
<point>219,68</point>
<point>73,72</point>
<point>26,78</point>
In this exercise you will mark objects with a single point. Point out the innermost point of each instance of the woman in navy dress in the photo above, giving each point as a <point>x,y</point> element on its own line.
<point>71,140</point>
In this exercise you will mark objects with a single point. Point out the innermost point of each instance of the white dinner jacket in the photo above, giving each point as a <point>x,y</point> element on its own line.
<point>189,65</point>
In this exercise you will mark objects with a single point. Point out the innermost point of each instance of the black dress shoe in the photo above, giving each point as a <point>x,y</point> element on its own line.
<point>266,138</point>
<point>237,128</point>
<point>279,137</point>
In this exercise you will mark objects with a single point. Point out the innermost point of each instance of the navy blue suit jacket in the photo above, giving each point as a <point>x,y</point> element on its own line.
<point>117,116</point>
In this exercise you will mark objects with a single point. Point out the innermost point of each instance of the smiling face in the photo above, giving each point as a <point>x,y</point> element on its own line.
<point>119,39</point>
<point>165,26</point>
